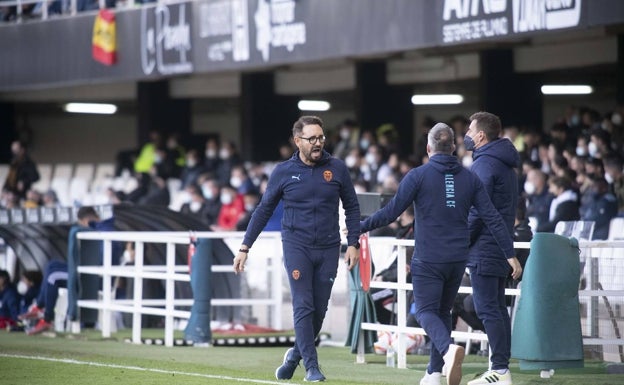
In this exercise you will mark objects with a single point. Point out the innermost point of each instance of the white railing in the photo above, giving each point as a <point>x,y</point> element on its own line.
<point>267,253</point>
<point>403,287</point>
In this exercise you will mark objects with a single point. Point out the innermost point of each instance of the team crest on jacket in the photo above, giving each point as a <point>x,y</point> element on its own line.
<point>296,274</point>
<point>327,175</point>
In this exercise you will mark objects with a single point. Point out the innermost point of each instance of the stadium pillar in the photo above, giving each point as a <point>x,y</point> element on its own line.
<point>619,85</point>
<point>7,131</point>
<point>515,98</point>
<point>266,118</point>
<point>378,103</point>
<point>158,111</point>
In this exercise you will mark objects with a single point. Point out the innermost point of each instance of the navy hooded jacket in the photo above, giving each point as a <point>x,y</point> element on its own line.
<point>310,195</point>
<point>494,164</point>
<point>442,192</point>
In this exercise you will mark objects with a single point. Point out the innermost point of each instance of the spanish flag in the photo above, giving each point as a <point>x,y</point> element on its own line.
<point>104,42</point>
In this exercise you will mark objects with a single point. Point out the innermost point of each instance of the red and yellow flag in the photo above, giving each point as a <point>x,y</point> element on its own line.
<point>104,41</point>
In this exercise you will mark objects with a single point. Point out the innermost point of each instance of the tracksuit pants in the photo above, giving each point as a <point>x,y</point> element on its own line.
<point>311,274</point>
<point>55,277</point>
<point>435,288</point>
<point>489,300</point>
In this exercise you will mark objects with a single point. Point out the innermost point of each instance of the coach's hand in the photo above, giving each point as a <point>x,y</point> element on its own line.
<point>239,260</point>
<point>352,256</point>
<point>516,268</point>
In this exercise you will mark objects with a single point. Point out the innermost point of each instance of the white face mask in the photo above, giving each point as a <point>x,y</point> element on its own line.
<point>190,162</point>
<point>22,287</point>
<point>350,161</point>
<point>249,207</point>
<point>195,206</point>
<point>211,153</point>
<point>616,119</point>
<point>467,161</point>
<point>207,192</point>
<point>580,151</point>
<point>608,178</point>
<point>344,134</point>
<point>226,199</point>
<point>370,158</point>
<point>593,149</point>
<point>364,144</point>
<point>529,187</point>
<point>224,154</point>
<point>236,182</point>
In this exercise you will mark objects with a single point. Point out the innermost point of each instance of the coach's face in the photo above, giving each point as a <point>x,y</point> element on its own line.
<point>310,144</point>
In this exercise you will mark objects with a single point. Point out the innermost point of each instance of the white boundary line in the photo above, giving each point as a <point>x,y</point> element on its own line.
<point>140,369</point>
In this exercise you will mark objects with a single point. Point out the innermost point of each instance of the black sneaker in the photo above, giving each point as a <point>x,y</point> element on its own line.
<point>288,367</point>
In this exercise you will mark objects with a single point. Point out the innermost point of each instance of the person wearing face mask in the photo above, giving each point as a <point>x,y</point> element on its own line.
<point>347,132</point>
<point>614,175</point>
<point>599,143</point>
<point>310,185</point>
<point>600,208</point>
<point>564,207</point>
<point>9,301</point>
<point>28,287</point>
<point>232,209</point>
<point>211,191</point>
<point>241,181</point>
<point>538,196</point>
<point>228,158</point>
<point>192,169</point>
<point>495,163</point>
<point>211,155</point>
<point>196,205</point>
<point>251,200</point>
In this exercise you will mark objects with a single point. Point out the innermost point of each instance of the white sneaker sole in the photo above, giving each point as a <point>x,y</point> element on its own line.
<point>454,368</point>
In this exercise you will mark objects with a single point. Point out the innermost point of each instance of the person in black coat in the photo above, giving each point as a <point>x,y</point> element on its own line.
<point>565,206</point>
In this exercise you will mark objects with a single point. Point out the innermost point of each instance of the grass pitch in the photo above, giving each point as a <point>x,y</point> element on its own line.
<point>89,359</point>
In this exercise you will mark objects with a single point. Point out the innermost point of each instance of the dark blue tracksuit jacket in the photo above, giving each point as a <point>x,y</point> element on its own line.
<point>442,192</point>
<point>310,195</point>
<point>494,164</point>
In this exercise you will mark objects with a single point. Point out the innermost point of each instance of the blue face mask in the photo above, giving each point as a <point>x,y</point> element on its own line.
<point>469,144</point>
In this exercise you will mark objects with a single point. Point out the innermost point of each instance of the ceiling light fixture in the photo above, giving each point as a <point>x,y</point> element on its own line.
<point>91,108</point>
<point>432,99</point>
<point>554,89</point>
<point>313,105</point>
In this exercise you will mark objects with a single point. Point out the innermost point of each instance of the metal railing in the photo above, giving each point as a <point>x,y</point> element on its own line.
<point>170,273</point>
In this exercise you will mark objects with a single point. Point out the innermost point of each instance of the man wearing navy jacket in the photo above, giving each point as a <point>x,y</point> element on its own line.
<point>310,185</point>
<point>495,160</point>
<point>442,193</point>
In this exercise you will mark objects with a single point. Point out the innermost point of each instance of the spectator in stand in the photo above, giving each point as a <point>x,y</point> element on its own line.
<point>240,180</point>
<point>196,206</point>
<point>211,191</point>
<point>564,207</point>
<point>599,145</point>
<point>366,139</point>
<point>600,207</point>
<point>22,171</point>
<point>251,200</point>
<point>157,191</point>
<point>147,154</point>
<point>375,168</point>
<point>531,139</point>
<point>354,163</point>
<point>387,138</point>
<point>9,200</point>
<point>232,209</point>
<point>176,152</point>
<point>33,199</point>
<point>228,158</point>
<point>50,199</point>
<point>211,156</point>
<point>614,174</point>
<point>9,301</point>
<point>348,133</point>
<point>192,169</point>
<point>538,196</point>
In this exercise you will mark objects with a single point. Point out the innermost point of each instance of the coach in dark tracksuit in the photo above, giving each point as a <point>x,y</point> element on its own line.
<point>495,160</point>
<point>442,193</point>
<point>310,185</point>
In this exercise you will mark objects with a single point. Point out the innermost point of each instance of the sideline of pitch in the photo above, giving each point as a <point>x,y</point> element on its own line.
<point>140,369</point>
